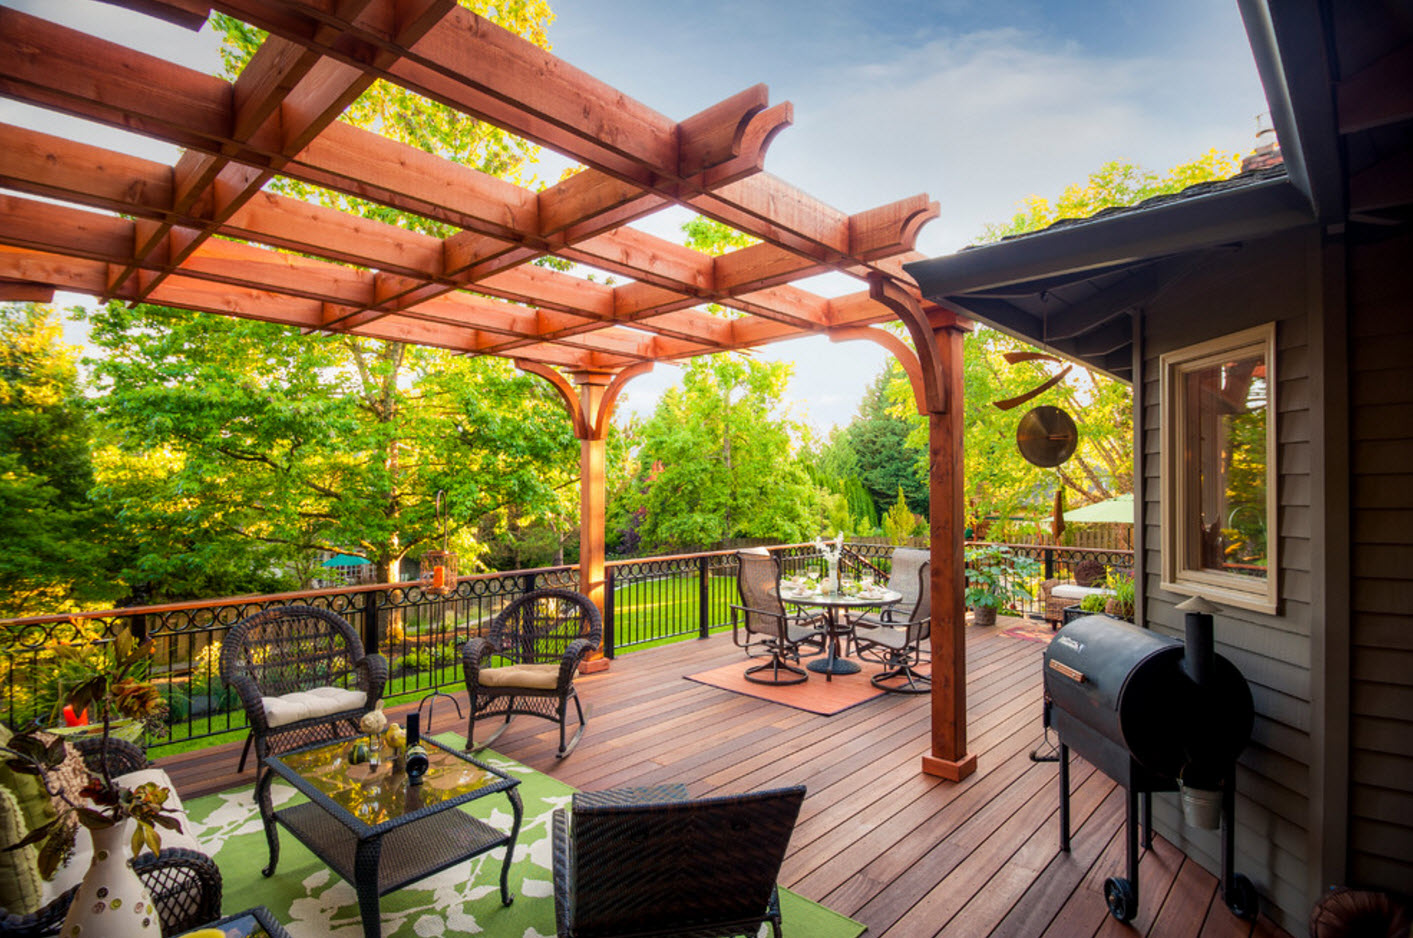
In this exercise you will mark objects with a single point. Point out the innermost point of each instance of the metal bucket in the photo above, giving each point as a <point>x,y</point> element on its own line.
<point>1202,807</point>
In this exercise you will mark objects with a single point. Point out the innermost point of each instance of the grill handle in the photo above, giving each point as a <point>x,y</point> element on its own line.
<point>1067,671</point>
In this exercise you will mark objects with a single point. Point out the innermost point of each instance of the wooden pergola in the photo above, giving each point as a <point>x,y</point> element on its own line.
<point>205,234</point>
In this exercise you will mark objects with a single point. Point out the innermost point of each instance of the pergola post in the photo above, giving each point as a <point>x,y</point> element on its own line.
<point>592,498</point>
<point>937,340</point>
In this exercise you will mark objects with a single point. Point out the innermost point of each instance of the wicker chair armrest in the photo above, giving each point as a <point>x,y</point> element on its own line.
<point>474,655</point>
<point>123,756</point>
<point>668,792</point>
<point>250,698</point>
<point>1047,585</point>
<point>372,676</point>
<point>575,652</point>
<point>185,886</point>
<point>41,923</point>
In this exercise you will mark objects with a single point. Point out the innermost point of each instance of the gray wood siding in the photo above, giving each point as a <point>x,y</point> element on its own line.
<point>1381,593</point>
<point>1257,283</point>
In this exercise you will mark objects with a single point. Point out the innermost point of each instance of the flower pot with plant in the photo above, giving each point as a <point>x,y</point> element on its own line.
<point>1121,604</point>
<point>111,900</point>
<point>997,577</point>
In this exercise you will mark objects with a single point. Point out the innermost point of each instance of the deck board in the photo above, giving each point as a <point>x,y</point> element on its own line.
<point>905,853</point>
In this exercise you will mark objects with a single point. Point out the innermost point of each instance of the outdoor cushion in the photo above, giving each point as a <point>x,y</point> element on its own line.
<point>72,874</point>
<point>33,800</point>
<point>1070,591</point>
<point>311,704</point>
<point>531,676</point>
<point>21,889</point>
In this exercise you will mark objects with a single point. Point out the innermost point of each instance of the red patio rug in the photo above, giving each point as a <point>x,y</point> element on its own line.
<point>816,695</point>
<point>1031,630</point>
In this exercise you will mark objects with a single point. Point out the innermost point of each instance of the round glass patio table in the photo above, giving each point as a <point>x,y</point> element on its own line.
<point>837,626</point>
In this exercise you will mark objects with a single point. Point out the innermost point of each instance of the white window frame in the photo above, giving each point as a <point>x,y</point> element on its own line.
<point>1178,576</point>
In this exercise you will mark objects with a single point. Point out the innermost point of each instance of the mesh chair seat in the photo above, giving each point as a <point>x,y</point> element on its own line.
<point>894,638</point>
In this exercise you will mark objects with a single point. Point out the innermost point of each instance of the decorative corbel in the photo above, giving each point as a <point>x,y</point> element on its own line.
<point>898,349</point>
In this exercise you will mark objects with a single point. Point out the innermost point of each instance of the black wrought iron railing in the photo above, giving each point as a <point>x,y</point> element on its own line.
<point>646,601</point>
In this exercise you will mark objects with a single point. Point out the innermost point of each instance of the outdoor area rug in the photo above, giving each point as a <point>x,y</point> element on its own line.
<point>816,695</point>
<point>464,900</point>
<point>1031,630</point>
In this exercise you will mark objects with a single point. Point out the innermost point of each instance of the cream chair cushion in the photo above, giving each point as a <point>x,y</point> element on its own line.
<point>529,676</point>
<point>310,704</point>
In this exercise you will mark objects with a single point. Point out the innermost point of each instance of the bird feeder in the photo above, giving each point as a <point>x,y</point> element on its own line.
<point>439,566</point>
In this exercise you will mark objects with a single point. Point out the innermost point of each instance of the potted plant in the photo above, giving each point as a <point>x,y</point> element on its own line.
<point>1121,604</point>
<point>996,577</point>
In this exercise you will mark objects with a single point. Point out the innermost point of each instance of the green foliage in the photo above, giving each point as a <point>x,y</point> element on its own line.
<point>900,523</point>
<point>1094,602</point>
<point>1125,593</point>
<point>712,237</point>
<point>51,561</point>
<point>997,576</point>
<point>236,446</point>
<point>716,460</point>
<point>876,447</point>
<point>1114,183</point>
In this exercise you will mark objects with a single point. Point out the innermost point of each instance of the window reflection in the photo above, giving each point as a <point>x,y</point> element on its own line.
<point>1227,420</point>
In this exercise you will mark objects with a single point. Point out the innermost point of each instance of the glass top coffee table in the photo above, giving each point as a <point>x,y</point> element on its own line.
<point>377,831</point>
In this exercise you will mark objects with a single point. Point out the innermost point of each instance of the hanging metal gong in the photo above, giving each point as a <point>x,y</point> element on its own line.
<point>1047,436</point>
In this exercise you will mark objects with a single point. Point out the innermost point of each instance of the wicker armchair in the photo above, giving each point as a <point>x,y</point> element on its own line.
<point>541,637</point>
<point>302,676</point>
<point>185,884</point>
<point>668,866</point>
<point>760,621</point>
<point>1087,574</point>
<point>894,638</point>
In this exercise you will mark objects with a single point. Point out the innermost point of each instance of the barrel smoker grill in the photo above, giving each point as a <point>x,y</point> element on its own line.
<point>1150,712</point>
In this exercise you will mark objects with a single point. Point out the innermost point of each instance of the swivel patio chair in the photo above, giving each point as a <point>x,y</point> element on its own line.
<point>302,676</point>
<point>894,638</point>
<point>671,866</point>
<point>541,638</point>
<point>761,622</point>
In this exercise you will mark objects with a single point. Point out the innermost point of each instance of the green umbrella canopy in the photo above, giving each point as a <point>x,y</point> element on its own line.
<point>345,560</point>
<point>1117,510</point>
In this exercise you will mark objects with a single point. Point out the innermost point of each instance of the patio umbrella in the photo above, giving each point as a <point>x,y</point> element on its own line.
<point>345,560</point>
<point>1118,510</point>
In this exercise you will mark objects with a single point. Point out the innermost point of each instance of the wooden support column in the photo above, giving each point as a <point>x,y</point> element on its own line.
<point>590,409</point>
<point>937,339</point>
<point>592,499</point>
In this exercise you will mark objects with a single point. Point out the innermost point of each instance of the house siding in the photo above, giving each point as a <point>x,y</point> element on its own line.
<point>1236,289</point>
<point>1381,591</point>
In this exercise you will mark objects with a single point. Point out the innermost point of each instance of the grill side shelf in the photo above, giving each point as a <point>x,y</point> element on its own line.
<point>1067,671</point>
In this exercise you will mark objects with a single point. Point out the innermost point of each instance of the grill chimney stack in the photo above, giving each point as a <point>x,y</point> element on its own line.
<point>1199,651</point>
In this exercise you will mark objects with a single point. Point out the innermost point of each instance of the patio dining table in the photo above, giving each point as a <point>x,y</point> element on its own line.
<point>838,626</point>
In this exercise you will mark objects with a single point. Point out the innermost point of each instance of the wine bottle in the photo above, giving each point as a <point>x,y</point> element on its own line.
<point>415,761</point>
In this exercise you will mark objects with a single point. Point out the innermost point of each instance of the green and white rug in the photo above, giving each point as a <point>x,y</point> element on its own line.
<point>464,900</point>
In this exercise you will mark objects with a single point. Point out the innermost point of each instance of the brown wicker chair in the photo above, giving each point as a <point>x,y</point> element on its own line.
<point>185,884</point>
<point>1086,573</point>
<point>760,621</point>
<point>894,638</point>
<point>302,676</point>
<point>652,868</point>
<point>541,638</point>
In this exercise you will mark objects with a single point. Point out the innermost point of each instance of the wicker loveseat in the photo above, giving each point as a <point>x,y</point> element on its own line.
<point>184,882</point>
<point>1057,594</point>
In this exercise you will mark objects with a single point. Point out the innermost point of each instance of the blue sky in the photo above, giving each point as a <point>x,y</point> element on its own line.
<point>978,103</point>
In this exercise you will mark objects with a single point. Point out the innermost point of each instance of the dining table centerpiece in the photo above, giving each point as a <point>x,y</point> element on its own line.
<point>831,555</point>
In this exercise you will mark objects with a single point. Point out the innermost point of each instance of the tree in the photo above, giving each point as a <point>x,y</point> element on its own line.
<point>243,443</point>
<point>878,438</point>
<point>719,461</point>
<point>52,561</point>
<point>900,522</point>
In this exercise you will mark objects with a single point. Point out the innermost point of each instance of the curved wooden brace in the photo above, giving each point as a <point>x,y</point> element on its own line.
<point>891,294</point>
<point>565,389</point>
<point>610,396</point>
<point>899,349</point>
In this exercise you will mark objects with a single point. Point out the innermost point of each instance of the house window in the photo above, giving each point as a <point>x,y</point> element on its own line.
<point>1219,469</point>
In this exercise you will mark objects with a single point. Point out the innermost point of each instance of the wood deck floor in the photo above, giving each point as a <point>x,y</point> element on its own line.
<point>904,853</point>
